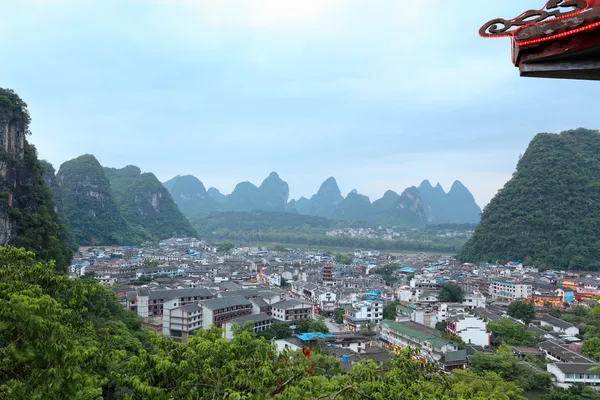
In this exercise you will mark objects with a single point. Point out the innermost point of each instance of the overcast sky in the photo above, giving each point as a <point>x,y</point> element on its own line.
<point>379,94</point>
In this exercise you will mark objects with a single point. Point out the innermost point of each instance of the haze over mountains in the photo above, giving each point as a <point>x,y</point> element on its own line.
<point>414,207</point>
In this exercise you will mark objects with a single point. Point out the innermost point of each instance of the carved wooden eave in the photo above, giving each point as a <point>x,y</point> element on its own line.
<point>575,56</point>
<point>552,43</point>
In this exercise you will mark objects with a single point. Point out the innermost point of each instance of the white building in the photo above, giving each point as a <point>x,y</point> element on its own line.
<point>558,325</point>
<point>425,316</point>
<point>474,300</point>
<point>292,310</point>
<point>362,313</point>
<point>180,322</point>
<point>510,291</point>
<point>568,374</point>
<point>398,335</point>
<point>471,329</point>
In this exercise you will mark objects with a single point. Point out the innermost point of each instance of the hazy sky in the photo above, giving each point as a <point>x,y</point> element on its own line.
<point>380,94</point>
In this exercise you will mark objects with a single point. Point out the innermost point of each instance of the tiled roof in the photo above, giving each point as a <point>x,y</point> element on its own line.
<point>290,303</point>
<point>254,318</point>
<point>224,302</point>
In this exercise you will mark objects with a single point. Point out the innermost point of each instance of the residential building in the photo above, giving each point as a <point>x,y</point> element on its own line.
<point>471,329</point>
<point>568,374</point>
<point>259,306</point>
<point>425,316</point>
<point>218,311</point>
<point>398,335</point>
<point>558,325</point>
<point>153,300</point>
<point>362,313</point>
<point>559,353</point>
<point>260,323</point>
<point>510,291</point>
<point>292,310</point>
<point>180,322</point>
<point>474,300</point>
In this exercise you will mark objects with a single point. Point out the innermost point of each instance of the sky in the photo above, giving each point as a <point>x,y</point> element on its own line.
<point>380,94</point>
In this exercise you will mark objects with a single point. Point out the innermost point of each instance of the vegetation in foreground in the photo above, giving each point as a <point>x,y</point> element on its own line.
<point>69,338</point>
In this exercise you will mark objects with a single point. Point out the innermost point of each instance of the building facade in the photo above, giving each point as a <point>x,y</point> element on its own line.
<point>510,291</point>
<point>363,313</point>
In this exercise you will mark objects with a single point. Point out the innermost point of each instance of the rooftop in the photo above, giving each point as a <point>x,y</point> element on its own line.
<point>417,331</point>
<point>254,318</point>
<point>225,302</point>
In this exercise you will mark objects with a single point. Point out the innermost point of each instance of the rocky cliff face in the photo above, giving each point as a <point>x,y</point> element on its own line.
<point>12,151</point>
<point>27,212</point>
<point>146,204</point>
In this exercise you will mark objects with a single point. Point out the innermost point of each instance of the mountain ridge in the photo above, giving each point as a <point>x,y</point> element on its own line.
<point>412,208</point>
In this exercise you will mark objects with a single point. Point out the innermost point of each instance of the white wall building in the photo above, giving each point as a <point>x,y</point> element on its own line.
<point>180,322</point>
<point>471,329</point>
<point>362,313</point>
<point>568,374</point>
<point>510,291</point>
<point>475,300</point>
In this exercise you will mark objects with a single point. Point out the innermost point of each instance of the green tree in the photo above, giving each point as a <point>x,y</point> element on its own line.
<point>389,311</point>
<point>60,337</point>
<point>277,330</point>
<point>559,394</point>
<point>311,325</point>
<point>451,293</point>
<point>345,259</point>
<point>338,315</point>
<point>150,263</point>
<point>441,326</point>
<point>506,331</point>
<point>525,311</point>
<point>225,247</point>
<point>591,348</point>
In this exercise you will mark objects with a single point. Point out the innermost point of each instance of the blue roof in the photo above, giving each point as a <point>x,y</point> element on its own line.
<point>313,335</point>
<point>407,269</point>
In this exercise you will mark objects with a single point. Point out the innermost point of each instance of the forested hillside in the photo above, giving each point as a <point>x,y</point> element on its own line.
<point>547,214</point>
<point>88,204</point>
<point>146,204</point>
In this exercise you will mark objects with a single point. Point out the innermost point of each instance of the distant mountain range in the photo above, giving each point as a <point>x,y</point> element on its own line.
<point>415,207</point>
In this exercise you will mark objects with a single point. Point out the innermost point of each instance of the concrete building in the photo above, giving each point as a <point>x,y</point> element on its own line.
<point>473,301</point>
<point>398,335</point>
<point>143,299</point>
<point>362,313</point>
<point>568,374</point>
<point>471,329</point>
<point>218,311</point>
<point>260,323</point>
<point>292,310</point>
<point>510,291</point>
<point>423,316</point>
<point>180,322</point>
<point>558,325</point>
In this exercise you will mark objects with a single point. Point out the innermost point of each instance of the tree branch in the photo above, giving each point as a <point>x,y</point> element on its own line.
<point>280,388</point>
